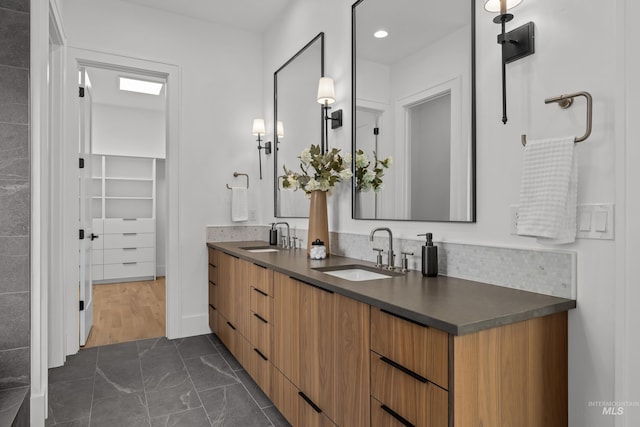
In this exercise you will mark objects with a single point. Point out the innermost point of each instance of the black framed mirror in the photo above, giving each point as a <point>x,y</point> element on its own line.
<point>413,100</point>
<point>298,121</point>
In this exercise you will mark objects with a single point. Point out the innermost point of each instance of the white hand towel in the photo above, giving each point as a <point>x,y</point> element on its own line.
<point>549,191</point>
<point>239,204</point>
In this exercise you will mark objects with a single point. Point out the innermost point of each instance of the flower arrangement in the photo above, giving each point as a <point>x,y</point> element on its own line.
<point>319,171</point>
<point>370,179</point>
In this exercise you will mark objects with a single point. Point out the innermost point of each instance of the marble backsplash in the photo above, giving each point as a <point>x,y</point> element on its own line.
<point>550,272</point>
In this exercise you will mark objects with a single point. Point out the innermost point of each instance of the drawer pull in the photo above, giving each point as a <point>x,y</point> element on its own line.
<point>261,355</point>
<point>211,305</point>
<point>258,265</point>
<point>262,319</point>
<point>405,370</point>
<point>231,326</point>
<point>129,219</point>
<point>310,402</point>
<point>261,292</point>
<point>312,285</point>
<point>129,263</point>
<point>403,318</point>
<point>395,415</point>
<point>211,265</point>
<point>129,249</point>
<point>129,234</point>
<point>211,283</point>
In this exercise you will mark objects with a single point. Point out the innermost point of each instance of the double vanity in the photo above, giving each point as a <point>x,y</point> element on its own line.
<point>338,342</point>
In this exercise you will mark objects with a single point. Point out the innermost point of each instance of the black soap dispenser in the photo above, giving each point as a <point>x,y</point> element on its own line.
<point>273,234</point>
<point>429,257</point>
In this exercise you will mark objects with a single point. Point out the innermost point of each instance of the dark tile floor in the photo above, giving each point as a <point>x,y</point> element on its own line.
<point>157,382</point>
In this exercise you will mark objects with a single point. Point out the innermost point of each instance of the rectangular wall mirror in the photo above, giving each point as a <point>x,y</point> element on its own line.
<point>298,116</point>
<point>414,101</point>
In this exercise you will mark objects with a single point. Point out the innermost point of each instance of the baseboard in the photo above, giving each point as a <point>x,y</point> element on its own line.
<point>197,324</point>
<point>38,410</point>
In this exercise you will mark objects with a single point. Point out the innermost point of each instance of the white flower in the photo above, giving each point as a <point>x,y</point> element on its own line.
<point>312,185</point>
<point>369,176</point>
<point>305,156</point>
<point>293,181</point>
<point>362,160</point>
<point>379,188</point>
<point>324,185</point>
<point>345,174</point>
<point>388,161</point>
<point>366,186</point>
<point>346,160</point>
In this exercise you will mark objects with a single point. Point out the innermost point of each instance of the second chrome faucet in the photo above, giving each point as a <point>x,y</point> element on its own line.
<point>391,256</point>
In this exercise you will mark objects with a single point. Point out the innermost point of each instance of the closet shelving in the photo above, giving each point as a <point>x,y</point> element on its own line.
<point>124,215</point>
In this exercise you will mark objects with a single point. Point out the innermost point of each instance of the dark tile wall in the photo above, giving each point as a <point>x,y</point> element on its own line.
<point>14,196</point>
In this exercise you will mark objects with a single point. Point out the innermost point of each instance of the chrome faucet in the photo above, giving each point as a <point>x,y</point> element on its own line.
<point>391,255</point>
<point>287,243</point>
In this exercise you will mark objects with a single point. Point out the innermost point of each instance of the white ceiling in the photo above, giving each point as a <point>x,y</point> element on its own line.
<point>105,90</point>
<point>249,15</point>
<point>412,25</point>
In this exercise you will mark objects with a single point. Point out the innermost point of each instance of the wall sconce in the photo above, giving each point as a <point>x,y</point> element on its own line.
<point>516,44</point>
<point>326,96</point>
<point>259,130</point>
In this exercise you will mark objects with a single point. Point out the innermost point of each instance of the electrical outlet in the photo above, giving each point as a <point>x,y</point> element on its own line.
<point>513,219</point>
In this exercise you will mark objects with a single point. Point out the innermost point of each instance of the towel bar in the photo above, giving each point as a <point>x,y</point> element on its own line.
<point>565,101</point>
<point>237,174</point>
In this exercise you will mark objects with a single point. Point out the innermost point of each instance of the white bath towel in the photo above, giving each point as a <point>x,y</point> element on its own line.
<point>239,204</point>
<point>549,191</point>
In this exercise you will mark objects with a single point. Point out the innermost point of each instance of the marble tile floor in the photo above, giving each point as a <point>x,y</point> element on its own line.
<point>157,383</point>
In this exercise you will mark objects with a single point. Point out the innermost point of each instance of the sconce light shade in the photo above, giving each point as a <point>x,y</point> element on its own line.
<point>494,5</point>
<point>326,93</point>
<point>280,129</point>
<point>258,127</point>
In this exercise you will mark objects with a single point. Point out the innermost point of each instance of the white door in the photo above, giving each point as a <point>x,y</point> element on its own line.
<point>85,189</point>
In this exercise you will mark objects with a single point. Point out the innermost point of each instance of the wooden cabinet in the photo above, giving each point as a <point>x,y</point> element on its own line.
<point>327,360</point>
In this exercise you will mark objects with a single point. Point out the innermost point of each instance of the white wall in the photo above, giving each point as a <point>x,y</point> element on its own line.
<point>125,131</point>
<point>574,51</point>
<point>221,94</point>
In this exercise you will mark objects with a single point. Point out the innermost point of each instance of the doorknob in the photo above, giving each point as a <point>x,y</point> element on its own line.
<point>94,237</point>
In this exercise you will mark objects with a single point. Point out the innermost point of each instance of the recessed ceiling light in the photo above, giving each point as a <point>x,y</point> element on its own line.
<point>380,34</point>
<point>140,86</point>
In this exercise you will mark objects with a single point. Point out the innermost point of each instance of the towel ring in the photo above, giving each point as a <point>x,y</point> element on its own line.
<point>237,174</point>
<point>564,102</point>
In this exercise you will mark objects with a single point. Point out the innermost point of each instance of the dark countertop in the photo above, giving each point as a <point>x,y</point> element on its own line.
<point>456,306</point>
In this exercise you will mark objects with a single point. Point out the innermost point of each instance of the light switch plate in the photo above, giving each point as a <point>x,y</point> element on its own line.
<point>601,224</point>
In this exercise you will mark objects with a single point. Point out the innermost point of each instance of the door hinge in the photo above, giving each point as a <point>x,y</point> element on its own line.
<point>81,305</point>
<point>81,163</point>
<point>81,234</point>
<point>81,92</point>
<point>376,131</point>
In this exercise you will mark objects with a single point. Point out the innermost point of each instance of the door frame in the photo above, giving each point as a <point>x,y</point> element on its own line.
<point>69,256</point>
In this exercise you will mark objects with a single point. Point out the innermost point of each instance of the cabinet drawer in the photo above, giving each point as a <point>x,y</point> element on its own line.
<point>421,349</point>
<point>261,304</point>
<point>122,270</point>
<point>213,319</point>
<point>213,273</point>
<point>119,225</point>
<point>260,334</point>
<point>129,240</point>
<point>97,256</point>
<point>285,397</point>
<point>97,272</point>
<point>118,256</point>
<point>213,295</point>
<point>260,368</point>
<point>213,257</point>
<point>231,338</point>
<point>261,278</point>
<point>420,403</point>
<point>383,416</point>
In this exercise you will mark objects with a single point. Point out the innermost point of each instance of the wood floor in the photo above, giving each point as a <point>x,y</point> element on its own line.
<point>127,312</point>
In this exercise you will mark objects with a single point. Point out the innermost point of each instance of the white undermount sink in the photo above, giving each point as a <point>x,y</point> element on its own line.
<point>357,273</point>
<point>260,249</point>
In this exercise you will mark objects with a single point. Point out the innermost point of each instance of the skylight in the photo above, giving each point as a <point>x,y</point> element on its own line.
<point>140,86</point>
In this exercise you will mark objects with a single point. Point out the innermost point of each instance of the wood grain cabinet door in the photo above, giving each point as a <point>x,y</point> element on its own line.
<point>286,333</point>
